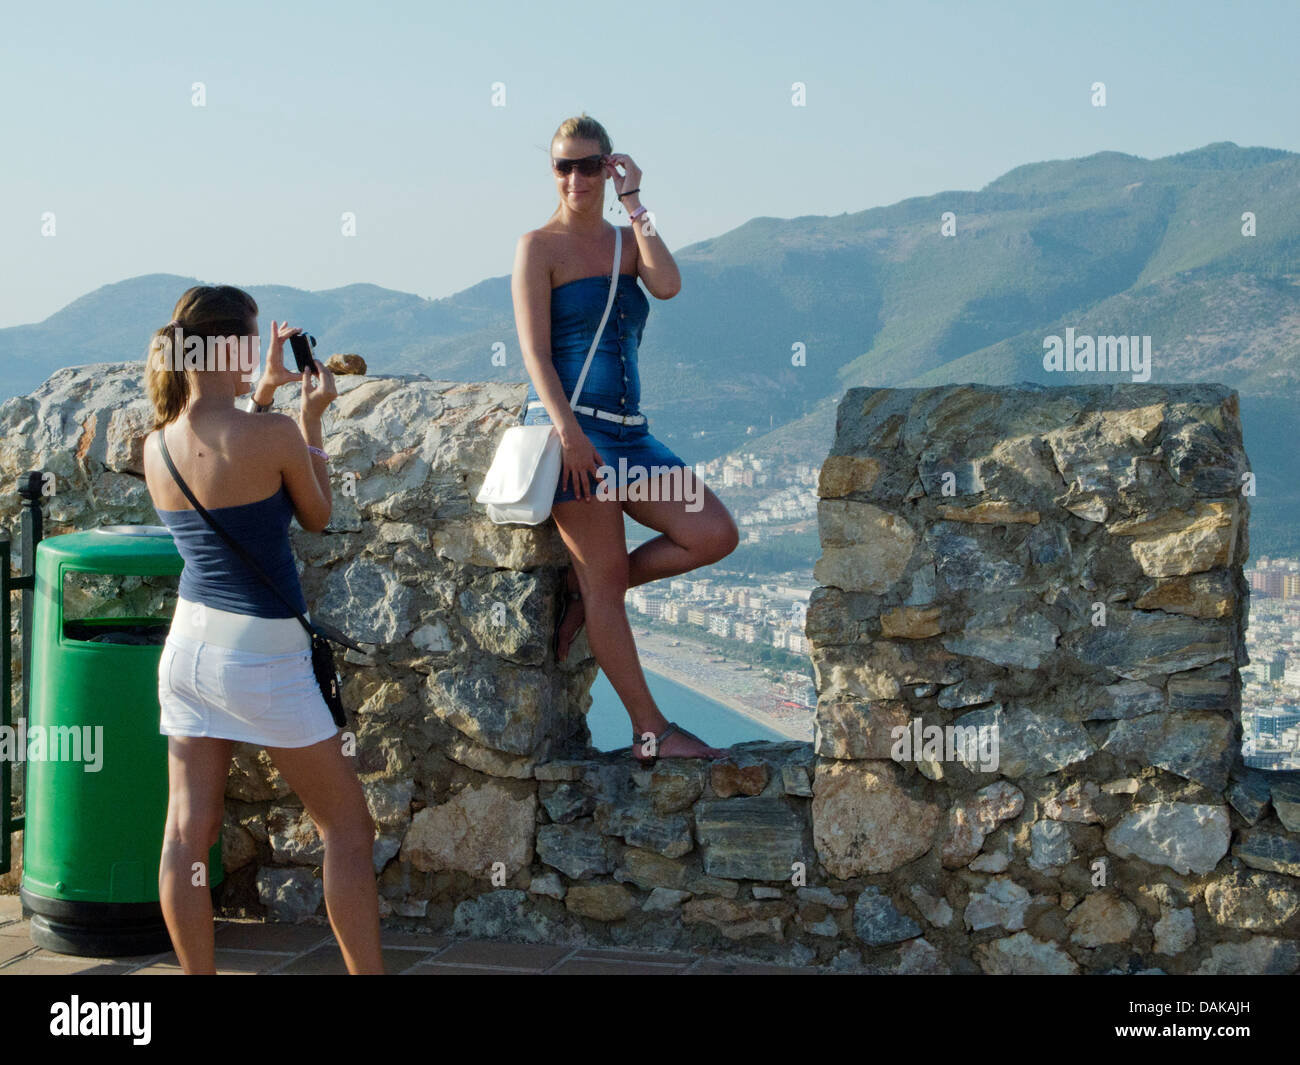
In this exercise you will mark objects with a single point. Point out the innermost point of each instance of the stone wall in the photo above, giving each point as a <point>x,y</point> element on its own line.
<point>970,537</point>
<point>1059,571</point>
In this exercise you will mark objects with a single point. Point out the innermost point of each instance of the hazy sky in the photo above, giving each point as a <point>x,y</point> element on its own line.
<point>385,110</point>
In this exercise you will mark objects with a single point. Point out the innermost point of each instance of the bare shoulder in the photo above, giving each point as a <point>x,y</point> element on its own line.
<point>273,427</point>
<point>536,244</point>
<point>629,237</point>
<point>535,255</point>
<point>153,456</point>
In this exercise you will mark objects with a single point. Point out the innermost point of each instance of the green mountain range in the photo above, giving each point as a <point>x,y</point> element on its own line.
<point>1107,245</point>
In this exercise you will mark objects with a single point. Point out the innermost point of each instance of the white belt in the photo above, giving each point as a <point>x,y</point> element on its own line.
<point>623,419</point>
<point>242,632</point>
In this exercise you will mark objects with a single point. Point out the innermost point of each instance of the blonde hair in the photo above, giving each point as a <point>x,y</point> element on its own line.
<point>206,311</point>
<point>584,127</point>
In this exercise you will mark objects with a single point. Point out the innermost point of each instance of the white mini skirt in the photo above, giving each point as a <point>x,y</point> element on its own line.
<point>212,682</point>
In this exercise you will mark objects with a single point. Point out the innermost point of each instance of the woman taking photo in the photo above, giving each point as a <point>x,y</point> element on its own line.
<point>560,287</point>
<point>236,665</point>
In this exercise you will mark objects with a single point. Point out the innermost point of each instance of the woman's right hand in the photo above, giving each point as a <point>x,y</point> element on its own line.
<point>316,397</point>
<point>580,458</point>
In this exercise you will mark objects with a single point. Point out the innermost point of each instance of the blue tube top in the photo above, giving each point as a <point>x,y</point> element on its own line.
<point>613,383</point>
<point>217,577</point>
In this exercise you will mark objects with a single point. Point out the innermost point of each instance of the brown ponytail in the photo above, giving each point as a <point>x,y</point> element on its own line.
<point>203,311</point>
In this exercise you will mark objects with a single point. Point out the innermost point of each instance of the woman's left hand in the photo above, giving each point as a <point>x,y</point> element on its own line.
<point>276,373</point>
<point>631,176</point>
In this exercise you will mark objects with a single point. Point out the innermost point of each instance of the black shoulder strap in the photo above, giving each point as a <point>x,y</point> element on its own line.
<point>239,550</point>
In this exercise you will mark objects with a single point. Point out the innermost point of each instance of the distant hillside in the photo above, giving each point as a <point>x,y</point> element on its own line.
<point>1107,244</point>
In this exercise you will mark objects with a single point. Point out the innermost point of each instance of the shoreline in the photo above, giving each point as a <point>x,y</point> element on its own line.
<point>653,651</point>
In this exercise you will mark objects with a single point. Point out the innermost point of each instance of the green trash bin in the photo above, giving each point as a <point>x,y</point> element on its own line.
<point>96,801</point>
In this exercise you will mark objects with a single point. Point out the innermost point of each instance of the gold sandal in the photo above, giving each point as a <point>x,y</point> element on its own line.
<point>648,763</point>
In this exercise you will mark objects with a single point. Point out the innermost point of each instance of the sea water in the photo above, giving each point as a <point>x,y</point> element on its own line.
<point>713,722</point>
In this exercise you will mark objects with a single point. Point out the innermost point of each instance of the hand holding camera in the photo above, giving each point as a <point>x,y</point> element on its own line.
<point>277,373</point>
<point>318,389</point>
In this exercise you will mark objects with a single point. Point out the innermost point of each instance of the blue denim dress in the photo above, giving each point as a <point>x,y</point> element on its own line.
<point>613,383</point>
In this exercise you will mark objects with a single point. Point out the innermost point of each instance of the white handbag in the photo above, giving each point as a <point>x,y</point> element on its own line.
<point>520,484</point>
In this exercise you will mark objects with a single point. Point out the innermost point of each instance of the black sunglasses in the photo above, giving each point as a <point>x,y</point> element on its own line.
<point>589,166</point>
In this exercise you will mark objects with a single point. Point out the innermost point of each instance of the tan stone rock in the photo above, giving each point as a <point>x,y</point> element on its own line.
<point>461,749</point>
<point>1200,595</point>
<point>737,920</point>
<point>346,363</point>
<point>728,779</point>
<point>1074,804</point>
<point>712,911</point>
<point>865,821</point>
<point>865,548</point>
<point>1178,542</point>
<point>1022,954</point>
<point>911,622</point>
<point>674,784</point>
<point>1253,902</point>
<point>600,902</point>
<point>850,727</point>
<point>473,829</point>
<point>1102,918</point>
<point>843,474</point>
<point>253,776</point>
<point>293,836</point>
<point>238,847</point>
<point>1175,931</point>
<point>649,870</point>
<point>993,512</point>
<point>972,818</point>
<point>881,669</point>
<point>11,882</point>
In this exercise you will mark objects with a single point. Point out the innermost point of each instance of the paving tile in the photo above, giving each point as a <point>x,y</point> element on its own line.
<point>329,960</point>
<point>269,935</point>
<point>722,967</point>
<point>421,940</point>
<point>612,967</point>
<point>76,959</point>
<point>434,969</point>
<point>252,946</point>
<point>534,956</point>
<point>648,956</point>
<point>42,965</point>
<point>228,961</point>
<point>250,961</point>
<point>13,948</point>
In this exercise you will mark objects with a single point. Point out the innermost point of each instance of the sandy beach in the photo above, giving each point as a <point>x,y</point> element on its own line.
<point>748,692</point>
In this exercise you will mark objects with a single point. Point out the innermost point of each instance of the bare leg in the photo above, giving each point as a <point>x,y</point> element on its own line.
<point>196,789</point>
<point>593,532</point>
<point>327,784</point>
<point>688,540</point>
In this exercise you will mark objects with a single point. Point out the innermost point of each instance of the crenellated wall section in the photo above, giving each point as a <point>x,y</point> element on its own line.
<point>1027,631</point>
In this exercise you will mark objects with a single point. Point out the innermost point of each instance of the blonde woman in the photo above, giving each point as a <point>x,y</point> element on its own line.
<point>237,663</point>
<point>560,287</point>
